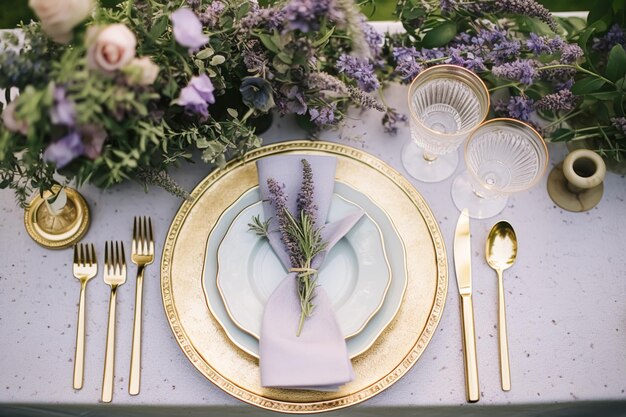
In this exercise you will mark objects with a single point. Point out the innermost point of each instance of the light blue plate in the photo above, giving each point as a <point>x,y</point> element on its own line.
<point>357,344</point>
<point>355,274</point>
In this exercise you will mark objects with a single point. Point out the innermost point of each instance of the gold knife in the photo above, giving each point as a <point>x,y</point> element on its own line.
<point>463,267</point>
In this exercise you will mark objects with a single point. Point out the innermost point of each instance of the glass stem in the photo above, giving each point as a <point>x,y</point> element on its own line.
<point>429,157</point>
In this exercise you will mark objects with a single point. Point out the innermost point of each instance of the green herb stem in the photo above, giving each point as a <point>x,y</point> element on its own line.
<point>577,68</point>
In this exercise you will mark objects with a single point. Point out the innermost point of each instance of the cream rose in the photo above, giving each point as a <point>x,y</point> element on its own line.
<point>59,17</point>
<point>142,71</point>
<point>110,48</point>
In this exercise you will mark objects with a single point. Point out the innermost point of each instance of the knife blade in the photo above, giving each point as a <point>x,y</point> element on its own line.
<point>463,268</point>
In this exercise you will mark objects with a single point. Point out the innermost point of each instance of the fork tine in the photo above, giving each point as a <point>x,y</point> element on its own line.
<point>150,237</point>
<point>123,258</point>
<point>145,236</point>
<point>93,254</point>
<point>75,253</point>
<point>136,235</point>
<point>87,260</point>
<point>106,257</point>
<point>82,254</point>
<point>117,258</point>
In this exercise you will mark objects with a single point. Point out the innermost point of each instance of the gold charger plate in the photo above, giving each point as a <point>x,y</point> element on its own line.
<point>202,338</point>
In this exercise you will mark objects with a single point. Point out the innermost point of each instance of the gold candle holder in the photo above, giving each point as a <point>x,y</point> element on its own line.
<point>576,184</point>
<point>60,223</point>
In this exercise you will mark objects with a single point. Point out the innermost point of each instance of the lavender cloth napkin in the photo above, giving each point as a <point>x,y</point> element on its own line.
<point>318,358</point>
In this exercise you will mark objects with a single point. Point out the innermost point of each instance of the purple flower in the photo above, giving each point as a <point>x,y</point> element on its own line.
<point>64,150</point>
<point>520,107</point>
<point>266,17</point>
<point>292,100</point>
<point>520,70</point>
<point>505,51</point>
<point>187,29</point>
<point>556,43</point>
<point>570,52</point>
<point>306,200</point>
<point>614,36</point>
<point>563,100</point>
<point>212,13</point>
<point>447,6</point>
<point>359,70</point>
<point>490,36</point>
<point>528,8</point>
<point>305,15</point>
<point>93,137</point>
<point>538,45</point>
<point>619,123</point>
<point>63,111</point>
<point>197,95</point>
<point>323,116</point>
<point>391,119</point>
<point>470,61</point>
<point>406,65</point>
<point>373,38</point>
<point>257,93</point>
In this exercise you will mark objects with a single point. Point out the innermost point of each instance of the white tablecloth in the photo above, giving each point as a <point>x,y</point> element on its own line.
<point>565,306</point>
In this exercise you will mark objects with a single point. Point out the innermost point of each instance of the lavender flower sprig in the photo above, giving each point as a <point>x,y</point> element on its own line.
<point>302,239</point>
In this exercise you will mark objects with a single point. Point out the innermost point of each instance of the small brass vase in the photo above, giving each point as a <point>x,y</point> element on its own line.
<point>58,219</point>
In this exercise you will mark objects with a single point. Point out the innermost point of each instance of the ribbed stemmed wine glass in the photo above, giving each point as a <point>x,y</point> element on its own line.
<point>446,103</point>
<point>503,156</point>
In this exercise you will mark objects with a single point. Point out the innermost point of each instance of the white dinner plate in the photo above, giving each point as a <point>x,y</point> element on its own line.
<point>355,274</point>
<point>358,344</point>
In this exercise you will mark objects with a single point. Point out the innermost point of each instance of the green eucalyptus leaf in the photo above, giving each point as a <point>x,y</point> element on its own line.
<point>279,65</point>
<point>217,60</point>
<point>159,27</point>
<point>286,58</point>
<point>587,85</point>
<point>267,41</point>
<point>205,53</point>
<point>616,64</point>
<point>440,35</point>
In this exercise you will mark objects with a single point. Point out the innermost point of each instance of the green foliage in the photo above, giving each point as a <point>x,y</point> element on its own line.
<point>146,130</point>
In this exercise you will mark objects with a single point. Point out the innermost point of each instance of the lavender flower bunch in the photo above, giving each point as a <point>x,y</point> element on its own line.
<point>300,236</point>
<point>569,85</point>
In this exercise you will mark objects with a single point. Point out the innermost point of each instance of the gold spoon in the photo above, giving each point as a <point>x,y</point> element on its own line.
<point>501,252</point>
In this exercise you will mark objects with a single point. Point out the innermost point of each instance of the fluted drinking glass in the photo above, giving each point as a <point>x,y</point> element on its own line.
<point>446,102</point>
<point>503,156</point>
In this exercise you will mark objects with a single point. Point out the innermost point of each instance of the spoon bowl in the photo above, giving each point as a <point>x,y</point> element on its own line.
<point>501,248</point>
<point>501,252</point>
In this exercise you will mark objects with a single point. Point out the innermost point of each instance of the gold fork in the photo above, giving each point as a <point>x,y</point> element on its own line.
<point>142,255</point>
<point>85,267</point>
<point>114,275</point>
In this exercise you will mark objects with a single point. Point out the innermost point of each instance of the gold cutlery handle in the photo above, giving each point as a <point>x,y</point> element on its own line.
<point>469,349</point>
<point>79,357</point>
<point>109,356</point>
<point>135,356</point>
<point>505,369</point>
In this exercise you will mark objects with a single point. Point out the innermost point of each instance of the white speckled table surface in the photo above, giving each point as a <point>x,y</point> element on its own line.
<point>565,305</point>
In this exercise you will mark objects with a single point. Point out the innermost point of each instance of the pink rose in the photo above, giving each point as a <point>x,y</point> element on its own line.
<point>142,71</point>
<point>11,122</point>
<point>59,17</point>
<point>110,48</point>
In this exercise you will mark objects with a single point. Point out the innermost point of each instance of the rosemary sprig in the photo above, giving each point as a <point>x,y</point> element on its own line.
<point>309,241</point>
<point>259,227</point>
<point>302,239</point>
